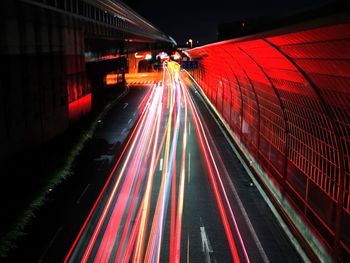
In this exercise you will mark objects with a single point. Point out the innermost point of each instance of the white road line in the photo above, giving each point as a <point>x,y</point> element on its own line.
<point>188,247</point>
<point>104,157</point>
<point>129,121</point>
<point>206,246</point>
<point>238,200</point>
<point>125,105</point>
<point>161,164</point>
<point>189,128</point>
<point>124,130</point>
<point>246,217</point>
<point>82,193</point>
<point>41,259</point>
<point>189,167</point>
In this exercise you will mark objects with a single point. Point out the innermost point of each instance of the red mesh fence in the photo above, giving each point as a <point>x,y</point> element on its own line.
<point>287,99</point>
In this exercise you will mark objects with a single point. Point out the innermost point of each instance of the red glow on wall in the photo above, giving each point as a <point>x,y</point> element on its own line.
<point>79,107</point>
<point>109,56</point>
<point>287,99</point>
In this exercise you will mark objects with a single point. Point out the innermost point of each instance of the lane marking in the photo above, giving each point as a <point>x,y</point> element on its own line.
<point>82,194</point>
<point>188,247</point>
<point>246,217</point>
<point>206,246</point>
<point>130,141</point>
<point>129,121</point>
<point>244,213</point>
<point>238,199</point>
<point>124,130</point>
<point>41,259</point>
<point>216,184</point>
<point>189,128</point>
<point>125,105</point>
<point>189,167</point>
<point>161,164</point>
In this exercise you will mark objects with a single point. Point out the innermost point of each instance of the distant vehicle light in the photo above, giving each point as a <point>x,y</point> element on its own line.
<point>176,57</point>
<point>111,79</point>
<point>163,55</point>
<point>138,56</point>
<point>148,56</point>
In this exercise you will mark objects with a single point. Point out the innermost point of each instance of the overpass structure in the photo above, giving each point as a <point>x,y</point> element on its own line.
<point>44,48</point>
<point>285,97</point>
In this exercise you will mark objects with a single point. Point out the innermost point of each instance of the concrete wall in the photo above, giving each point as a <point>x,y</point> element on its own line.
<point>43,84</point>
<point>43,70</point>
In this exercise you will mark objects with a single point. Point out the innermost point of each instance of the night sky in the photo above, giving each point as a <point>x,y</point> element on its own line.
<point>184,19</point>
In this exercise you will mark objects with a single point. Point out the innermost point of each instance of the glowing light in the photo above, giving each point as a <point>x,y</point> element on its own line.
<point>109,56</point>
<point>178,230</point>
<point>134,134</point>
<point>111,79</point>
<point>190,42</point>
<point>79,107</point>
<point>115,187</point>
<point>148,56</point>
<point>176,56</point>
<point>125,227</point>
<point>163,55</point>
<point>137,55</point>
<point>186,53</point>
<point>202,139</point>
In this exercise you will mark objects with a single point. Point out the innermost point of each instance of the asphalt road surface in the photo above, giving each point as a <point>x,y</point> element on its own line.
<point>176,193</point>
<point>158,182</point>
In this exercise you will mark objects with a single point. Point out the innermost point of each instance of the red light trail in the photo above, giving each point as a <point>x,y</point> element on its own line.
<point>128,221</point>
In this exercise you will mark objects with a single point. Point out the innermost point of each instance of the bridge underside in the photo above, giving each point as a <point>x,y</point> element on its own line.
<point>286,98</point>
<point>45,46</point>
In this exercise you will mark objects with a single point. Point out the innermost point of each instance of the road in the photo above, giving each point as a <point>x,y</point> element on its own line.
<point>49,236</point>
<point>178,193</point>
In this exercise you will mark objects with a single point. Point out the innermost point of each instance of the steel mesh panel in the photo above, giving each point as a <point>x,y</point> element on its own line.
<point>287,98</point>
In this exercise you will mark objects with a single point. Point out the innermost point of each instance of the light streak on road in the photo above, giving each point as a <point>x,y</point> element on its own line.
<point>206,151</point>
<point>147,196</point>
<point>178,230</point>
<point>140,200</point>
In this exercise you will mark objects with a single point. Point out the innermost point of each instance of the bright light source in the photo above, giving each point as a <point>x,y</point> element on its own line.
<point>163,55</point>
<point>148,56</point>
<point>138,56</point>
<point>190,42</point>
<point>176,56</point>
<point>111,79</point>
<point>186,53</point>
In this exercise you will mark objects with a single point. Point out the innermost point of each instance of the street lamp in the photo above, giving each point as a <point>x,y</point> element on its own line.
<point>190,41</point>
